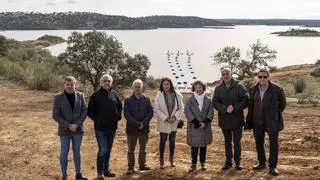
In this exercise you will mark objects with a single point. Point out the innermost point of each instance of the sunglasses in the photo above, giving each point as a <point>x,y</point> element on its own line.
<point>260,77</point>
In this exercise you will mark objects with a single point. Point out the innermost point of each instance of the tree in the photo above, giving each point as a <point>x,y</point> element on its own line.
<point>94,53</point>
<point>3,46</point>
<point>259,55</point>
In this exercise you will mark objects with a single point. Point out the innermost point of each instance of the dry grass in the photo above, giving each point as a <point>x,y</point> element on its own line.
<point>30,146</point>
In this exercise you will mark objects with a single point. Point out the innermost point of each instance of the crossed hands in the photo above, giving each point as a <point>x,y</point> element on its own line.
<point>230,109</point>
<point>73,127</point>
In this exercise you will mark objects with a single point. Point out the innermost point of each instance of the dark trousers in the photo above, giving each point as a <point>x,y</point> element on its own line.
<point>234,135</point>
<point>202,155</point>
<point>132,142</point>
<point>259,134</point>
<point>172,143</point>
<point>105,141</point>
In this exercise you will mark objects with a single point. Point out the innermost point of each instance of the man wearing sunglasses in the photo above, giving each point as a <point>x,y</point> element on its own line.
<point>230,99</point>
<point>267,101</point>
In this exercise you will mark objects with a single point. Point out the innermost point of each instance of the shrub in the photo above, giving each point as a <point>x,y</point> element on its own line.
<point>152,83</point>
<point>273,69</point>
<point>12,71</point>
<point>42,79</point>
<point>317,63</point>
<point>299,84</point>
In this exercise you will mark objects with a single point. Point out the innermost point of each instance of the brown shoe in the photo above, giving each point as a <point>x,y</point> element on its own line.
<point>203,167</point>
<point>161,163</point>
<point>172,163</point>
<point>193,167</point>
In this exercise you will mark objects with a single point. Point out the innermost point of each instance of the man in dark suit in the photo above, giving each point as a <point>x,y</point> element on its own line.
<point>266,104</point>
<point>70,111</point>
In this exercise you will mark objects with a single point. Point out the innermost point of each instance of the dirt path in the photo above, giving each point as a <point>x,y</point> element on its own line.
<point>30,146</point>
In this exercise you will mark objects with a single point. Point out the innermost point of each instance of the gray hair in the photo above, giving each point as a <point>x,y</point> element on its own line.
<point>225,69</point>
<point>70,78</point>
<point>106,76</point>
<point>137,81</point>
<point>263,70</point>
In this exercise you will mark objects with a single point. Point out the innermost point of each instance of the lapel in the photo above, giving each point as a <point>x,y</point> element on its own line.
<point>65,100</point>
<point>266,99</point>
<point>76,102</point>
<point>203,105</point>
<point>76,99</point>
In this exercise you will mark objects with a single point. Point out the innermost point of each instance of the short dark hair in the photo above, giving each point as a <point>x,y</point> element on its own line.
<point>264,71</point>
<point>170,82</point>
<point>70,79</point>
<point>204,87</point>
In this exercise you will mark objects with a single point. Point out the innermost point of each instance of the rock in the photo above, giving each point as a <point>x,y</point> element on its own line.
<point>316,72</point>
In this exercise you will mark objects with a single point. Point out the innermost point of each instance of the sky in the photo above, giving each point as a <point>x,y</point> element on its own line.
<point>215,9</point>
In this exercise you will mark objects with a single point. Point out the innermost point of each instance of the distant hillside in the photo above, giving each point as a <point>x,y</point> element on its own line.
<point>275,22</point>
<point>181,22</point>
<point>84,20</point>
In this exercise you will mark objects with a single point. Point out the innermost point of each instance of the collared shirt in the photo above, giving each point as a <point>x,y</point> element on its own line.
<point>263,90</point>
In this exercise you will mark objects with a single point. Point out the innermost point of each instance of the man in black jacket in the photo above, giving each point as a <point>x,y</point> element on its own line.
<point>266,104</point>
<point>138,112</point>
<point>230,99</point>
<point>105,109</point>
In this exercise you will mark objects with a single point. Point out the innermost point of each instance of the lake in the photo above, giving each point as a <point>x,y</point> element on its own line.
<point>201,44</point>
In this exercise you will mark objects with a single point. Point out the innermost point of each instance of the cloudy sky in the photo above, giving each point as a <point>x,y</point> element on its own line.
<point>204,8</point>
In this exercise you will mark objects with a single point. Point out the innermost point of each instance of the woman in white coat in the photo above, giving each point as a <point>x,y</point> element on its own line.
<point>168,107</point>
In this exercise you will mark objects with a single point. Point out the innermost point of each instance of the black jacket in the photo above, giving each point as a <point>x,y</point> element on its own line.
<point>137,111</point>
<point>272,106</point>
<point>105,109</point>
<point>236,96</point>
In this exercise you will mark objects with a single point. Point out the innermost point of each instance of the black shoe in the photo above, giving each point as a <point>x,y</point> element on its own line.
<point>239,167</point>
<point>144,168</point>
<point>64,178</point>
<point>100,178</point>
<point>108,173</point>
<point>80,177</point>
<point>259,166</point>
<point>274,172</point>
<point>227,166</point>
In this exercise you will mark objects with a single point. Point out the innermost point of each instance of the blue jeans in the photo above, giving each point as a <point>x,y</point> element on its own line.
<point>105,141</point>
<point>76,140</point>
<point>172,143</point>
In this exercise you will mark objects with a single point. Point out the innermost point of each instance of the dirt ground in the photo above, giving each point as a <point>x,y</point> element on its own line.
<point>29,145</point>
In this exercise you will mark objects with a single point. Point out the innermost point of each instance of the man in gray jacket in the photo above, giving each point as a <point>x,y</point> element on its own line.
<point>70,111</point>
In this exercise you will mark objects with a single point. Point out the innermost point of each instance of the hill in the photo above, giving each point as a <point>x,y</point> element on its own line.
<point>84,20</point>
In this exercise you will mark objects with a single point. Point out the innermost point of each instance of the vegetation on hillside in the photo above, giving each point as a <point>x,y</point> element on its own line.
<point>84,20</point>
<point>298,32</point>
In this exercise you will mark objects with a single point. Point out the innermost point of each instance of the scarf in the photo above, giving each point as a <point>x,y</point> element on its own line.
<point>199,99</point>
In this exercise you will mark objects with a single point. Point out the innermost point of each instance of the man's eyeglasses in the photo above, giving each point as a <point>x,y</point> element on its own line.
<point>106,80</point>
<point>225,74</point>
<point>260,77</point>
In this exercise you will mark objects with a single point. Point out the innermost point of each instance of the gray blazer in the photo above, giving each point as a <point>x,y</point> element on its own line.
<point>195,136</point>
<point>64,116</point>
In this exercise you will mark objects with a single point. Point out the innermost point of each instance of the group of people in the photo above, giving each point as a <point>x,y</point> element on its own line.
<point>265,101</point>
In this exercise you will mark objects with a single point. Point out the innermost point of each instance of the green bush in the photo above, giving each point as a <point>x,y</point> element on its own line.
<point>152,83</point>
<point>299,84</point>
<point>42,78</point>
<point>248,82</point>
<point>273,69</point>
<point>12,71</point>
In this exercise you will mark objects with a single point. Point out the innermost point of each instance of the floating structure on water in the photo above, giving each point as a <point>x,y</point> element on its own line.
<point>182,71</point>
